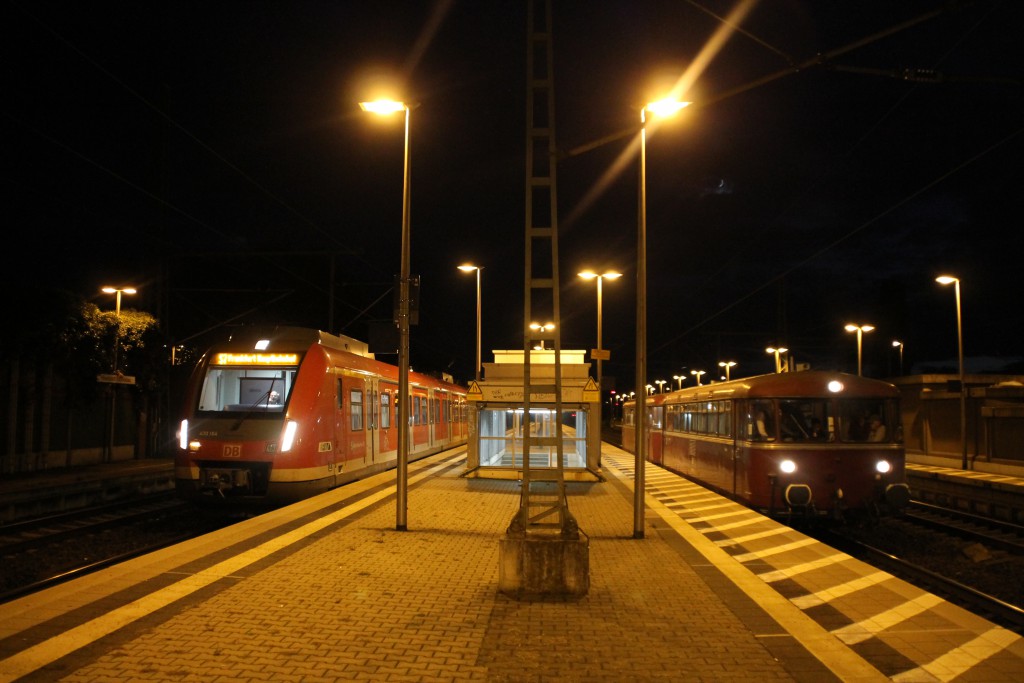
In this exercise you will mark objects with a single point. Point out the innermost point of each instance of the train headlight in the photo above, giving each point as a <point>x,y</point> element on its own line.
<point>288,438</point>
<point>883,467</point>
<point>787,466</point>
<point>183,435</point>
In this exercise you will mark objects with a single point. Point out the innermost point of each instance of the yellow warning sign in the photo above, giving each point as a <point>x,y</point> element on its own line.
<point>474,393</point>
<point>591,394</point>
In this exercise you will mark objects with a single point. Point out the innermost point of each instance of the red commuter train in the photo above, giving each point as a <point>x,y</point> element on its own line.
<point>810,443</point>
<point>281,414</point>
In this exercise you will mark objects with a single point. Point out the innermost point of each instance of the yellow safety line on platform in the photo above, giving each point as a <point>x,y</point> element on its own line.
<point>824,646</point>
<point>49,651</point>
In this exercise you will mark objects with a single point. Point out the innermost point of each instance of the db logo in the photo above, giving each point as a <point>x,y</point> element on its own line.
<point>232,450</point>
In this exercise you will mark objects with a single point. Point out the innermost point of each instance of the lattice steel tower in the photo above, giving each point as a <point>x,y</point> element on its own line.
<point>541,509</point>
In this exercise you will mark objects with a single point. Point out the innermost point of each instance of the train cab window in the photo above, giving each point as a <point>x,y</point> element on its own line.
<point>385,410</point>
<point>805,420</point>
<point>248,390</point>
<point>760,418</point>
<point>356,408</point>
<point>869,420</point>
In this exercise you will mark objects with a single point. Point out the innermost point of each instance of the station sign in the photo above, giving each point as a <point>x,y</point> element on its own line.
<point>117,378</point>
<point>505,393</point>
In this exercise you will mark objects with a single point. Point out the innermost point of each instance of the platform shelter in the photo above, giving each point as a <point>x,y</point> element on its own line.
<point>497,423</point>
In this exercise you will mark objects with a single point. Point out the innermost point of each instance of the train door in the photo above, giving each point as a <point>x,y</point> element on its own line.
<point>656,434</point>
<point>373,420</point>
<point>351,428</point>
<point>419,416</point>
<point>387,431</point>
<point>443,424</point>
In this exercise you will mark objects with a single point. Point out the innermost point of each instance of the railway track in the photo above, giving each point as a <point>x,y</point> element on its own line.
<point>972,562</point>
<point>43,552</point>
<point>991,532</point>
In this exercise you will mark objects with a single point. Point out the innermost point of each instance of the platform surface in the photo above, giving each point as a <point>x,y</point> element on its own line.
<point>328,590</point>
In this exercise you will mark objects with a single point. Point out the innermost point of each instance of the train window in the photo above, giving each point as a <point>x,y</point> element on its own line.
<point>805,420</point>
<point>385,410</point>
<point>760,421</point>
<point>371,398</point>
<point>657,416</point>
<point>254,391</point>
<point>725,418</point>
<point>356,408</point>
<point>700,418</point>
<point>865,420</point>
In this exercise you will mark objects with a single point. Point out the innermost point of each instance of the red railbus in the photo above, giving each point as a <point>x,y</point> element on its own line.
<point>814,443</point>
<point>280,414</point>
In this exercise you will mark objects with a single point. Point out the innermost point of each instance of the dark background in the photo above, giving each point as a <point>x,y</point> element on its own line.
<point>837,158</point>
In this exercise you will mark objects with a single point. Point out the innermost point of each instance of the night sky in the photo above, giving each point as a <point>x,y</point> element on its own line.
<point>838,156</point>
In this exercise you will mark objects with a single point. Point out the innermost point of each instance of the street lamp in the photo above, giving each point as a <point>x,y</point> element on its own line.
<point>469,268</point>
<point>860,330</point>
<point>118,291</point>
<point>607,275</point>
<point>117,309</point>
<point>679,379</point>
<point>698,374</point>
<point>899,344</point>
<point>537,327</point>
<point>661,385</point>
<point>727,364</point>
<point>777,351</point>
<point>665,107</point>
<point>385,108</point>
<point>950,280</point>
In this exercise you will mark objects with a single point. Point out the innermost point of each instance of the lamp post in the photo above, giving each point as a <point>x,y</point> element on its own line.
<point>665,107</point>
<point>860,330</point>
<point>698,374</point>
<point>778,351</point>
<point>899,344</point>
<point>607,275</point>
<point>546,327</point>
<point>384,108</point>
<point>117,291</point>
<point>469,268</point>
<point>661,385</point>
<point>727,364</point>
<point>950,280</point>
<point>679,379</point>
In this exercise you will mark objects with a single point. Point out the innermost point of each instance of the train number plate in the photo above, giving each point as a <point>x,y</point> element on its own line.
<point>232,450</point>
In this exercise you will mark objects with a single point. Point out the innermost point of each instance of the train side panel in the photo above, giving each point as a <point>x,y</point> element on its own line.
<point>338,423</point>
<point>791,443</point>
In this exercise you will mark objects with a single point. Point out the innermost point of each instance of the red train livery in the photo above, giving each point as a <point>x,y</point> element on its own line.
<point>281,414</point>
<point>812,443</point>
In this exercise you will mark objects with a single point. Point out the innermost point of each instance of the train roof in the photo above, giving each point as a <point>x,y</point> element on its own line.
<point>285,336</point>
<point>805,383</point>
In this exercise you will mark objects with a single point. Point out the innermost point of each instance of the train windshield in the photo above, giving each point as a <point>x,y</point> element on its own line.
<point>851,420</point>
<point>869,420</point>
<point>246,389</point>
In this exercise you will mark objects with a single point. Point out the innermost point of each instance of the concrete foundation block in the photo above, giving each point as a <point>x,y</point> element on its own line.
<point>544,566</point>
